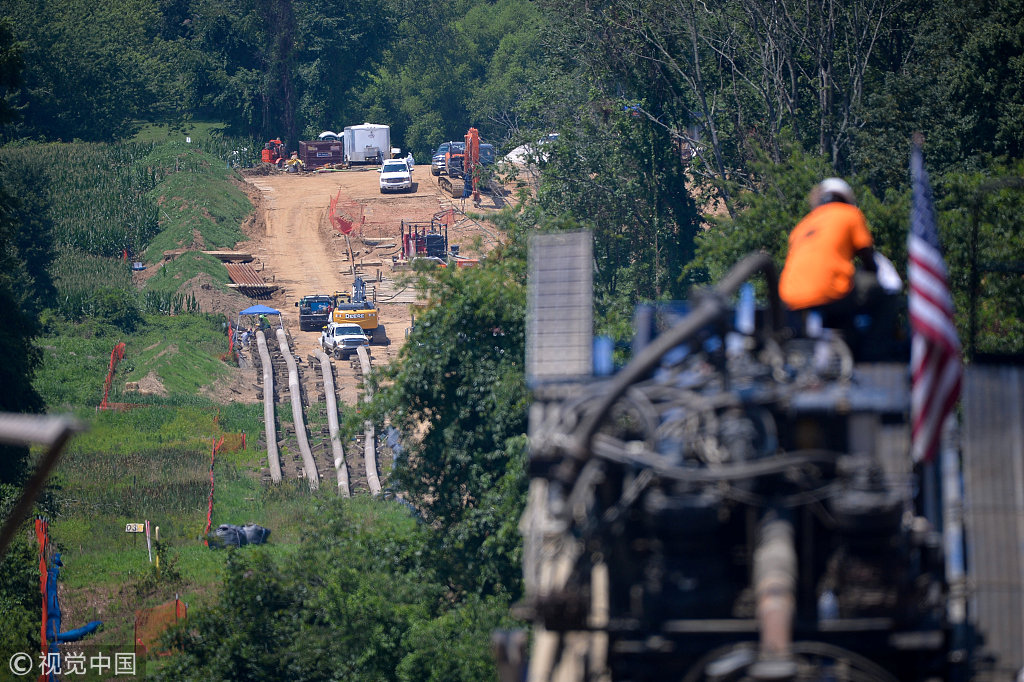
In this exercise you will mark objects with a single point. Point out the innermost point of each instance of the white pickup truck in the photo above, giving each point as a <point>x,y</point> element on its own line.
<point>341,339</point>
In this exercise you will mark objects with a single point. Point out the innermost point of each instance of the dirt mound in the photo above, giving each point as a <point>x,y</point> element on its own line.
<point>152,385</point>
<point>238,387</point>
<point>211,298</point>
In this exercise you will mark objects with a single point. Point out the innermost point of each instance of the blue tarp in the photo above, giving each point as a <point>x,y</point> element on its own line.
<point>260,310</point>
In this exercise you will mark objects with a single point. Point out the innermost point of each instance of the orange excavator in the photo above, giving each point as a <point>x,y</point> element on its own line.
<point>461,164</point>
<point>273,152</point>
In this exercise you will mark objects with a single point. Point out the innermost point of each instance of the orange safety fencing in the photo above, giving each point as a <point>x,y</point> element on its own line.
<point>43,539</point>
<point>345,215</point>
<point>231,344</point>
<point>116,355</point>
<point>209,510</point>
<point>151,623</point>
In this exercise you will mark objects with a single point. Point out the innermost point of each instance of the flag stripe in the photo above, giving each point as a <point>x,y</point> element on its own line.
<point>936,368</point>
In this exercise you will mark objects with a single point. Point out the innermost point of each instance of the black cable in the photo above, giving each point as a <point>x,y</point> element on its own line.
<point>712,307</point>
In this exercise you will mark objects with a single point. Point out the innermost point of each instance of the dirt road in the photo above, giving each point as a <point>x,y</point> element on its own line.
<point>301,252</point>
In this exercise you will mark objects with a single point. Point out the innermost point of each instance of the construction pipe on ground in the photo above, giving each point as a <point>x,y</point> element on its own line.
<point>332,423</point>
<point>268,408</point>
<point>370,451</point>
<point>298,418</point>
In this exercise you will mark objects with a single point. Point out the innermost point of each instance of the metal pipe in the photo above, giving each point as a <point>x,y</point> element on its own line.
<point>775,567</point>
<point>273,456</point>
<point>298,418</point>
<point>332,423</point>
<point>369,432</point>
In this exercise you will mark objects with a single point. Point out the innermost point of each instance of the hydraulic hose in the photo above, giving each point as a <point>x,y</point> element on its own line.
<point>712,307</point>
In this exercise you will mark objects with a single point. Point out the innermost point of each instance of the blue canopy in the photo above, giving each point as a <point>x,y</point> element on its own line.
<point>260,310</point>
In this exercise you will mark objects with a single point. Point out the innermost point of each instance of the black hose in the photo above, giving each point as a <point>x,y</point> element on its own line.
<point>614,450</point>
<point>712,307</point>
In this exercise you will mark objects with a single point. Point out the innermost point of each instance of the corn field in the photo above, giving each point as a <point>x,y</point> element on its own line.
<point>167,303</point>
<point>101,202</point>
<point>98,195</point>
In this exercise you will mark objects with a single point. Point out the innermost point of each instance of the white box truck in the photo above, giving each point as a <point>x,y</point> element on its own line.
<point>367,143</point>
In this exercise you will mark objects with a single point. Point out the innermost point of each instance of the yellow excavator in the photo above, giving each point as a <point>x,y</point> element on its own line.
<point>356,308</point>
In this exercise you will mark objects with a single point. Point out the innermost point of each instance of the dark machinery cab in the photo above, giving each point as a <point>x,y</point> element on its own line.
<point>314,312</point>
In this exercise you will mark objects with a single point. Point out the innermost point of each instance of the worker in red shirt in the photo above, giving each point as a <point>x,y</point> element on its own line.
<point>819,273</point>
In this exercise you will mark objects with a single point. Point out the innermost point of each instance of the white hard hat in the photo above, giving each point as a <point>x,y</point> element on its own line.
<point>838,188</point>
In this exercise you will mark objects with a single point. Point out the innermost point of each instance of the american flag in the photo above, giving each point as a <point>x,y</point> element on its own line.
<point>935,349</point>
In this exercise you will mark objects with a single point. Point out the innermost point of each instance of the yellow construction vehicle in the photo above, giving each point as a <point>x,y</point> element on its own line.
<point>357,309</point>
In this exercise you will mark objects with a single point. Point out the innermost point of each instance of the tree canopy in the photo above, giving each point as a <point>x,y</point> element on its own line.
<point>689,134</point>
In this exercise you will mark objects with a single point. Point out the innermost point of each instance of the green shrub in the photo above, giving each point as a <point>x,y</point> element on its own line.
<point>116,307</point>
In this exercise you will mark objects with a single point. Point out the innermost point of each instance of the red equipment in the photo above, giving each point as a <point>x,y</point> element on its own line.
<point>274,152</point>
<point>429,241</point>
<point>423,241</point>
<point>472,161</point>
<point>461,164</point>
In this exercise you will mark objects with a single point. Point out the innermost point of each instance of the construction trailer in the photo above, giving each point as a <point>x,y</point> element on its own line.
<point>319,153</point>
<point>367,143</point>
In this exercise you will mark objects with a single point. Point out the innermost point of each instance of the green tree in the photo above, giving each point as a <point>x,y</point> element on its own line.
<point>455,65</point>
<point>359,600</point>
<point>338,43</point>
<point>117,307</point>
<point>11,64</point>
<point>765,216</point>
<point>768,215</point>
<point>625,179</point>
<point>91,68</point>
<point>24,284</point>
<point>449,646</point>
<point>24,256</point>
<point>19,589</point>
<point>979,217</point>
<point>459,385</point>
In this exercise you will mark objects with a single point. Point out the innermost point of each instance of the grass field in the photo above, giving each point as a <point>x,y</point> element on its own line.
<point>151,462</point>
<point>198,203</point>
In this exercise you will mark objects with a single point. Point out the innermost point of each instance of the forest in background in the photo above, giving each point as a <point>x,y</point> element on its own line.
<point>675,118</point>
<point>689,135</point>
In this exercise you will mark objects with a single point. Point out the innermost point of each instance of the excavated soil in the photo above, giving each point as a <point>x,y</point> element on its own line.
<point>296,247</point>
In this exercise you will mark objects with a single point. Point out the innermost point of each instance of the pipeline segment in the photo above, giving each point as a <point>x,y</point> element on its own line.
<point>332,424</point>
<point>298,418</point>
<point>370,451</point>
<point>268,408</point>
